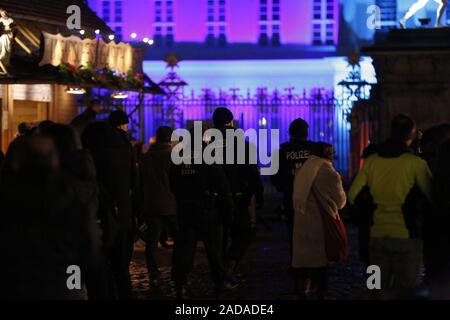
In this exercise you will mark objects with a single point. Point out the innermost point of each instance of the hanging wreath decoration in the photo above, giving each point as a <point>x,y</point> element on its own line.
<point>87,76</point>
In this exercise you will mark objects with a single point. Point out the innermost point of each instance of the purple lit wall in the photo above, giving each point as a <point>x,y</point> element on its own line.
<point>243,23</point>
<point>137,17</point>
<point>242,19</point>
<point>299,29</point>
<point>190,21</point>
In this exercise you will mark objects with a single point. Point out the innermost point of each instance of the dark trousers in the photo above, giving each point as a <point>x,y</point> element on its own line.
<point>363,244</point>
<point>290,229</point>
<point>240,232</point>
<point>118,256</point>
<point>185,247</point>
<point>317,277</point>
<point>156,226</point>
<point>289,215</point>
<point>100,282</point>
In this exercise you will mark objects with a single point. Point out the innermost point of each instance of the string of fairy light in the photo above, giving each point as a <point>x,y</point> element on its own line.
<point>112,37</point>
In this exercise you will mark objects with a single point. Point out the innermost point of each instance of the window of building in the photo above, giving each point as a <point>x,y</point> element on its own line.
<point>216,24</point>
<point>388,13</point>
<point>169,11</point>
<point>275,11</point>
<point>164,22</point>
<point>118,33</point>
<point>269,22</point>
<point>324,22</point>
<point>169,36</point>
<point>447,13</point>
<point>118,11</point>
<point>106,11</point>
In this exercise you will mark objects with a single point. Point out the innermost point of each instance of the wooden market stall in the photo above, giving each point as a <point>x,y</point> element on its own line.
<point>49,60</point>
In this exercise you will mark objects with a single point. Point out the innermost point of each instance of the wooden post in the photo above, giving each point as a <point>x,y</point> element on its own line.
<point>141,117</point>
<point>7,110</point>
<point>2,114</point>
<point>53,103</point>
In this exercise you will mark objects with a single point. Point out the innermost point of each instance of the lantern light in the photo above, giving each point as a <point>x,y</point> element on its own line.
<point>262,122</point>
<point>150,42</point>
<point>134,35</point>
<point>111,37</point>
<point>97,32</point>
<point>145,40</point>
<point>82,32</point>
<point>119,95</point>
<point>75,90</point>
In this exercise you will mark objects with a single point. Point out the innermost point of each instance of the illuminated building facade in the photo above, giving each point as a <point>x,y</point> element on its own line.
<point>218,22</point>
<point>236,51</point>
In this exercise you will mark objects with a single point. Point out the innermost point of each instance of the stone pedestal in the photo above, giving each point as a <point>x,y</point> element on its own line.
<point>413,72</point>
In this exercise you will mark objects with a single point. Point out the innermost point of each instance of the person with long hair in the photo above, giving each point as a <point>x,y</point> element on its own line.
<point>318,190</point>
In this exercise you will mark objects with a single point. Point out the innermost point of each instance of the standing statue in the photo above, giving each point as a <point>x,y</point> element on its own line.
<point>419,4</point>
<point>6,39</point>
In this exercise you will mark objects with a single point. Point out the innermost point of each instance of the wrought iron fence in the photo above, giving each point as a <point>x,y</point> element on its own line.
<point>326,115</point>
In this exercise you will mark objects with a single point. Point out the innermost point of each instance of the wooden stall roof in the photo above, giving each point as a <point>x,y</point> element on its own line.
<point>32,18</point>
<point>53,12</point>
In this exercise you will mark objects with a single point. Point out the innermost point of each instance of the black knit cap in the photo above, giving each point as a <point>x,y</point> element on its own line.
<point>118,118</point>
<point>221,117</point>
<point>164,134</point>
<point>401,127</point>
<point>299,129</point>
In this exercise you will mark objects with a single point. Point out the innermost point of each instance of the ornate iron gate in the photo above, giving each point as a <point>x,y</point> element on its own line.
<point>326,115</point>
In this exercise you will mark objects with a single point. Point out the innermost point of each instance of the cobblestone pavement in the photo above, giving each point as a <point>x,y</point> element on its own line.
<point>264,269</point>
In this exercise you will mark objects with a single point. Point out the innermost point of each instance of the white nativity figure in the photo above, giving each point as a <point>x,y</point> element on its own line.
<point>6,39</point>
<point>420,4</point>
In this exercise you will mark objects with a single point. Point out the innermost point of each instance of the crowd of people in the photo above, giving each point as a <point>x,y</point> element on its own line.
<point>80,194</point>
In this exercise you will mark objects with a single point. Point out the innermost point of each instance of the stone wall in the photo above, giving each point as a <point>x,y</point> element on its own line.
<point>413,72</point>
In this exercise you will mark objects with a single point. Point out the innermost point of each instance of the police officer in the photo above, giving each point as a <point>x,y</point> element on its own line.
<point>246,186</point>
<point>292,155</point>
<point>198,189</point>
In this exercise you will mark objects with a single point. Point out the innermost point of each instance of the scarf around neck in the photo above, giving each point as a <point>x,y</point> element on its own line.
<point>303,182</point>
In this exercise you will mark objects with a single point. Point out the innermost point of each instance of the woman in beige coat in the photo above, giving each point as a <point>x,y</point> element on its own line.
<point>317,190</point>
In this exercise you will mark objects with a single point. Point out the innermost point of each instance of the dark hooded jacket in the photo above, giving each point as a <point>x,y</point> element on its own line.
<point>158,198</point>
<point>112,158</point>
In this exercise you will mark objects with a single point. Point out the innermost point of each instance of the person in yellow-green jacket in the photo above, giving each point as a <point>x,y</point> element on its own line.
<point>391,174</point>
